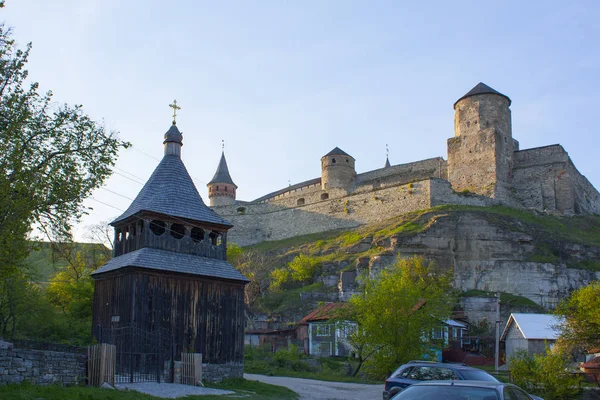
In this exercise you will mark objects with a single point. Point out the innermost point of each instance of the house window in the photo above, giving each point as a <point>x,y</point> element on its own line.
<point>438,333</point>
<point>300,202</point>
<point>323,330</point>
<point>333,160</point>
<point>115,318</point>
<point>324,196</point>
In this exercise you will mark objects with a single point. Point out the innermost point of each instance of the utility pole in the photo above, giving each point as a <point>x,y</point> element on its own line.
<point>497,357</point>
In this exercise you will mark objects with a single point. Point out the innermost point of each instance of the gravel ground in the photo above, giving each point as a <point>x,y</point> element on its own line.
<point>310,389</point>
<point>169,390</point>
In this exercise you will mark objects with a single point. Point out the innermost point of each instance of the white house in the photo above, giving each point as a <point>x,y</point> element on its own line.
<point>530,332</point>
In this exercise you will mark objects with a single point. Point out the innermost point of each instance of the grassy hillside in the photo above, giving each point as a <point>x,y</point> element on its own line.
<point>552,239</point>
<point>549,232</point>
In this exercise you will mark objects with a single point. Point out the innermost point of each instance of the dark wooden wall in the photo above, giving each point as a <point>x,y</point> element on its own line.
<point>205,316</point>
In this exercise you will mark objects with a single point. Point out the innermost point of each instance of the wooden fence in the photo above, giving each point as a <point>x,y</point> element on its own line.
<point>191,369</point>
<point>101,364</point>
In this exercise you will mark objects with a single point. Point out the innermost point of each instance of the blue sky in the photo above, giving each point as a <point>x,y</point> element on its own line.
<point>284,82</point>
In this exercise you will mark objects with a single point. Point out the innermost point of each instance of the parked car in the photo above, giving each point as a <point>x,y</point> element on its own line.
<point>417,371</point>
<point>463,390</point>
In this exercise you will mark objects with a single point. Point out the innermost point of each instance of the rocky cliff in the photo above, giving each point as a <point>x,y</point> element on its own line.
<point>539,257</point>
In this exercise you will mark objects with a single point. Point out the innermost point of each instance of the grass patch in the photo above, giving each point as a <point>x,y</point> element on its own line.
<point>296,364</point>
<point>251,390</point>
<point>351,238</point>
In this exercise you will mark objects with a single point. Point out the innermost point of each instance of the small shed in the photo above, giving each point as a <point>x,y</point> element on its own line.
<point>529,332</point>
<point>323,334</point>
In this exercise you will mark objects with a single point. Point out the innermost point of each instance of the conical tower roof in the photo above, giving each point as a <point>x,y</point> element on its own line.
<point>171,191</point>
<point>482,88</point>
<point>222,174</point>
<point>337,152</point>
<point>387,163</point>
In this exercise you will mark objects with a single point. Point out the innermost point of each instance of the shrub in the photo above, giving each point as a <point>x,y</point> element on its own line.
<point>304,269</point>
<point>545,375</point>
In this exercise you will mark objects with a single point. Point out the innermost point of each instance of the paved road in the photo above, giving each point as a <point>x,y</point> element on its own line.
<point>310,389</point>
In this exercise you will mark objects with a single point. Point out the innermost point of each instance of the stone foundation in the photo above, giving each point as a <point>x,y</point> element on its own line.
<point>218,372</point>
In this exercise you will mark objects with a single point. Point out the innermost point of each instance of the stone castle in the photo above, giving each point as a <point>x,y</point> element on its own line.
<point>484,167</point>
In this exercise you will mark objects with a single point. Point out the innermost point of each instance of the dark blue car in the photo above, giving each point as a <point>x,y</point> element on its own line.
<point>418,371</point>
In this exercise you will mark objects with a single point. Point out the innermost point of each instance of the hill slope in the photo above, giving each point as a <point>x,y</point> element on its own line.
<point>539,257</point>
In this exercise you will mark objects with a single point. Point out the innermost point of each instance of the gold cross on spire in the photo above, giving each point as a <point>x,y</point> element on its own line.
<point>175,107</point>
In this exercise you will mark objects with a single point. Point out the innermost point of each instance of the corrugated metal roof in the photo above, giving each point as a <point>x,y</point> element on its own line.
<point>323,312</point>
<point>169,261</point>
<point>534,326</point>
<point>171,191</point>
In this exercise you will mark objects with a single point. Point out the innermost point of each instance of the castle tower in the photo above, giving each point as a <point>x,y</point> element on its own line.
<point>480,155</point>
<point>221,189</point>
<point>337,169</point>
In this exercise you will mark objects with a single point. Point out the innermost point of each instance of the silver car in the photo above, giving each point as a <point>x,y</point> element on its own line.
<point>463,390</point>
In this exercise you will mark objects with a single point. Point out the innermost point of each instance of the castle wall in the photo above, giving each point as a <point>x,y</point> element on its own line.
<point>546,179</point>
<point>276,220</point>
<point>404,173</point>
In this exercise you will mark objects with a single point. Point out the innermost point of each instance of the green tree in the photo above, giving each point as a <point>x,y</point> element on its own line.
<point>51,156</point>
<point>581,328</point>
<point>71,291</point>
<point>254,266</point>
<point>546,375</point>
<point>397,312</point>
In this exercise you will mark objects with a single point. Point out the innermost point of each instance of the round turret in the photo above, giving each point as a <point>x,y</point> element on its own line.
<point>337,169</point>
<point>221,189</point>
<point>480,156</point>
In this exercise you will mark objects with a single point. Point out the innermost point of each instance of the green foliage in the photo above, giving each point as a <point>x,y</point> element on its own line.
<point>351,238</point>
<point>582,319</point>
<point>280,278</point>
<point>261,360</point>
<point>301,270</point>
<point>51,158</point>
<point>398,310</point>
<point>285,300</point>
<point>545,375</point>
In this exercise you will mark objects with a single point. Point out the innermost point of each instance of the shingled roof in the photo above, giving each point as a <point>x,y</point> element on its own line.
<point>222,174</point>
<point>482,88</point>
<point>337,152</point>
<point>163,260</point>
<point>171,191</point>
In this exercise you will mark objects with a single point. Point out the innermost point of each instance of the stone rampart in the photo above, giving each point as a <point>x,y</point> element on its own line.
<point>546,179</point>
<point>283,219</point>
<point>404,173</point>
<point>42,367</point>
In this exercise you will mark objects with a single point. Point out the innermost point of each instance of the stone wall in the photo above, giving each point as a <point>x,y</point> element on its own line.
<point>218,372</point>
<point>546,179</point>
<point>42,367</point>
<point>282,219</point>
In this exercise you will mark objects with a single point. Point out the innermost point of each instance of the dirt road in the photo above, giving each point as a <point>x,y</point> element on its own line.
<point>310,389</point>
